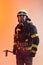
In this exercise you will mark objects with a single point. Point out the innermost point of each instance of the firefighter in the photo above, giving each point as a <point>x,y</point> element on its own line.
<point>26,39</point>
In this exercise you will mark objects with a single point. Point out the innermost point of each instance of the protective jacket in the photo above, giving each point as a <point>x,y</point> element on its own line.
<point>26,38</point>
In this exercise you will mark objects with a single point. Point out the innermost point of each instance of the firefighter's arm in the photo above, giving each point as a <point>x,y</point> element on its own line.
<point>15,41</point>
<point>35,39</point>
<point>15,46</point>
<point>14,49</point>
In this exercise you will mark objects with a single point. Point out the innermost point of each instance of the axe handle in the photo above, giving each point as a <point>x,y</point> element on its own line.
<point>6,52</point>
<point>10,51</point>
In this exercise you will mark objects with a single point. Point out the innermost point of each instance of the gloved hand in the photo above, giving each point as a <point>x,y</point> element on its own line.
<point>32,54</point>
<point>14,52</point>
<point>14,49</point>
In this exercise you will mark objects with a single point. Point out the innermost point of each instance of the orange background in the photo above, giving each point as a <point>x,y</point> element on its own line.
<point>8,21</point>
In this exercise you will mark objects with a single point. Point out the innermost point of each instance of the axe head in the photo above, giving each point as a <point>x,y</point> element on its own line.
<point>6,52</point>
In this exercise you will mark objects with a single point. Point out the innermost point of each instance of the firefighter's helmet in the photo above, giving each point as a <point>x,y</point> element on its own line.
<point>22,13</point>
<point>24,16</point>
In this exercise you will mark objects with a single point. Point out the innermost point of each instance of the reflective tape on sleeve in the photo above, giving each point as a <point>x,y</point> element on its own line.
<point>29,48</point>
<point>18,29</point>
<point>34,45</point>
<point>34,35</point>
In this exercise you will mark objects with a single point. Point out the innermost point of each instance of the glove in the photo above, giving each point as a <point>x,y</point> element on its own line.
<point>33,52</point>
<point>14,49</point>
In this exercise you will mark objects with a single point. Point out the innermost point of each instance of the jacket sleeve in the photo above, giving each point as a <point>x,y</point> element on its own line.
<point>14,49</point>
<point>15,35</point>
<point>35,39</point>
<point>15,41</point>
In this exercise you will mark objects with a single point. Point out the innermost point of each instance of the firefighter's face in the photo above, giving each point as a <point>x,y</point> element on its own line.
<point>20,18</point>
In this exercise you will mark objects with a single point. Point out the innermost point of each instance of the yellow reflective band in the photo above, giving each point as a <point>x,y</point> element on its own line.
<point>29,48</point>
<point>34,35</point>
<point>34,45</point>
<point>26,40</point>
<point>33,51</point>
<point>18,29</point>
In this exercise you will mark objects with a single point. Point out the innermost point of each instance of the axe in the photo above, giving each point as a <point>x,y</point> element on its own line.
<point>6,52</point>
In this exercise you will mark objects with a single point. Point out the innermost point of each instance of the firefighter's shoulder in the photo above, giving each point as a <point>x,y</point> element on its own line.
<point>17,26</point>
<point>32,28</point>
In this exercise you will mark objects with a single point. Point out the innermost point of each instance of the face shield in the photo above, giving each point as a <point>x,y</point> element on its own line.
<point>22,19</point>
